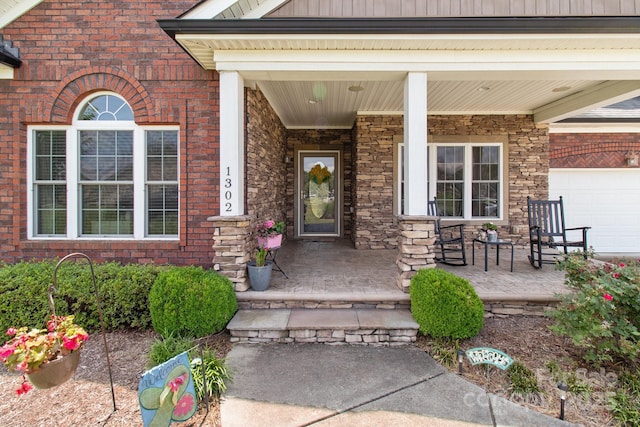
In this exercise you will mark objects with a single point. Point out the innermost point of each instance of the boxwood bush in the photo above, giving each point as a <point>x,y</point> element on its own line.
<point>445,305</point>
<point>191,301</point>
<point>123,290</point>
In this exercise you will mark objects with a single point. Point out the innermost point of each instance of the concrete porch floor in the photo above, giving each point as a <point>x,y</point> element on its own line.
<point>335,270</point>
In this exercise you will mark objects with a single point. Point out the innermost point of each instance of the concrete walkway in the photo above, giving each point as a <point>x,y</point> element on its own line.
<point>283,385</point>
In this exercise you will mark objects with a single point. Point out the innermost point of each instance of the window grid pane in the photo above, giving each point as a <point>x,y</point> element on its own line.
<point>106,156</point>
<point>107,209</point>
<point>162,183</point>
<point>485,195</point>
<point>51,209</point>
<point>50,190</point>
<point>450,180</point>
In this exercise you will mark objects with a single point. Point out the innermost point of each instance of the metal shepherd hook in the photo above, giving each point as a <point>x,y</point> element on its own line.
<point>52,288</point>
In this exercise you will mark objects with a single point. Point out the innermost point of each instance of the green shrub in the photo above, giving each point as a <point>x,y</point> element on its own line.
<point>523,380</point>
<point>123,291</point>
<point>445,305</point>
<point>602,314</point>
<point>191,301</point>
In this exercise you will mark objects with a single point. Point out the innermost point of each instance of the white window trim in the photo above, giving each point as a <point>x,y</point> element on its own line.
<point>73,189</point>
<point>468,161</point>
<point>468,173</point>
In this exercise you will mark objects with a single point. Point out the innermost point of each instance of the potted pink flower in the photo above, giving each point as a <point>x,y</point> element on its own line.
<point>270,234</point>
<point>47,357</point>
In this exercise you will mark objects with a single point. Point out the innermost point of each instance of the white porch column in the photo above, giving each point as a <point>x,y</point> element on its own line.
<point>231,143</point>
<point>415,144</point>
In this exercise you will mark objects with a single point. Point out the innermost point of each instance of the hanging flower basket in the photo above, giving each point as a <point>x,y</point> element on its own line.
<point>56,372</point>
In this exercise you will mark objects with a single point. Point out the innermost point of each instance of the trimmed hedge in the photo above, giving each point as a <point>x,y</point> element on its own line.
<point>445,305</point>
<point>191,301</point>
<point>123,291</point>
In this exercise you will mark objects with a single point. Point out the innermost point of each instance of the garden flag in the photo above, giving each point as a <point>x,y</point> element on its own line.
<point>166,393</point>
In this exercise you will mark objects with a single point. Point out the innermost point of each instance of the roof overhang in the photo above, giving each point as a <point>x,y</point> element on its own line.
<point>603,53</point>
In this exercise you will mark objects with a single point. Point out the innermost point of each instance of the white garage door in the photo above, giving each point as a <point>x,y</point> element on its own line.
<point>608,200</point>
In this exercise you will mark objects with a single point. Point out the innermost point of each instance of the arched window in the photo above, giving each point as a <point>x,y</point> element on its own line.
<point>104,176</point>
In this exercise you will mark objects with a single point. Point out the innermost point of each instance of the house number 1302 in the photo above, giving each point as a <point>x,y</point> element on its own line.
<point>228,194</point>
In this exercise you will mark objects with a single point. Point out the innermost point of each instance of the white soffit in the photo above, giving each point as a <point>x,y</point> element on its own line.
<point>232,9</point>
<point>6,72</point>
<point>10,10</point>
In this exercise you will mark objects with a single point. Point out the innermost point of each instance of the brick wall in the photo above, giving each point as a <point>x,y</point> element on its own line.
<point>340,139</point>
<point>528,168</point>
<point>71,49</point>
<point>592,150</point>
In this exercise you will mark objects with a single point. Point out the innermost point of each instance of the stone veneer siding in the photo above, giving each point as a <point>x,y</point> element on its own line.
<point>311,139</point>
<point>528,156</point>
<point>592,150</point>
<point>415,247</point>
<point>232,248</point>
<point>266,178</point>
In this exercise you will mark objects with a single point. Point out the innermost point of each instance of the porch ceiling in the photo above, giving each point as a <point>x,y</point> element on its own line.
<point>306,72</point>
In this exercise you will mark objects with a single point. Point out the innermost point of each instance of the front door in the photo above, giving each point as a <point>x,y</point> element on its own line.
<point>319,187</point>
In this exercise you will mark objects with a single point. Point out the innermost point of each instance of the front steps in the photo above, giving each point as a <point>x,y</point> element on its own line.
<point>363,326</point>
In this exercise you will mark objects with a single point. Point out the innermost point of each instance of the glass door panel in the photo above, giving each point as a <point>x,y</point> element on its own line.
<point>319,183</point>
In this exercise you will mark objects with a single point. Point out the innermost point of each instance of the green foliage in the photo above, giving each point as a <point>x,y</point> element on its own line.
<point>261,256</point>
<point>576,386</point>
<point>602,314</point>
<point>523,380</point>
<point>191,301</point>
<point>123,292</point>
<point>445,305</point>
<point>625,404</point>
<point>215,371</point>
<point>444,351</point>
<point>168,347</point>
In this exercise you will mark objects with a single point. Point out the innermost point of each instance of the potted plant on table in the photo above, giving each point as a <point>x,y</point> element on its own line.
<point>270,234</point>
<point>46,357</point>
<point>492,231</point>
<point>260,270</point>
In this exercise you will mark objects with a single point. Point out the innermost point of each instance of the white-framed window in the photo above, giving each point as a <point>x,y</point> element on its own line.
<point>104,176</point>
<point>466,178</point>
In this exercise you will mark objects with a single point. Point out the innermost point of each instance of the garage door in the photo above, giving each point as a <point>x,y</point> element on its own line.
<point>608,200</point>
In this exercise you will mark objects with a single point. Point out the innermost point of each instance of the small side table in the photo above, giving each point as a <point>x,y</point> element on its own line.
<point>271,255</point>
<point>486,244</point>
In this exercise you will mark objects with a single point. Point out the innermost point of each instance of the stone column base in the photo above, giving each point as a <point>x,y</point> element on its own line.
<point>416,238</point>
<point>232,248</point>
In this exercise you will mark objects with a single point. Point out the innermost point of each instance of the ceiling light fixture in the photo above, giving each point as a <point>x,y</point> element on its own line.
<point>312,101</point>
<point>356,88</point>
<point>483,88</point>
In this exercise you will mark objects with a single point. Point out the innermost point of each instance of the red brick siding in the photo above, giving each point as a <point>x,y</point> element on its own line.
<point>592,150</point>
<point>73,48</point>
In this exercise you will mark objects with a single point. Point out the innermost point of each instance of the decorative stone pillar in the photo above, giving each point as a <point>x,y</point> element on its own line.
<point>232,248</point>
<point>416,238</point>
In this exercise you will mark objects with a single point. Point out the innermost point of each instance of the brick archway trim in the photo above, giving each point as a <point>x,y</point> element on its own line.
<point>72,89</point>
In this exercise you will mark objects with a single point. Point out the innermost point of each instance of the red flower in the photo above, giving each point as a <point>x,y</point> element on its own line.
<point>24,388</point>
<point>608,297</point>
<point>12,331</point>
<point>6,351</point>
<point>623,265</point>
<point>616,275</point>
<point>184,406</point>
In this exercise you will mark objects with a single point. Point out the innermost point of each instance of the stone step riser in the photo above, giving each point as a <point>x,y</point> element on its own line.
<point>311,304</point>
<point>330,326</point>
<point>376,337</point>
